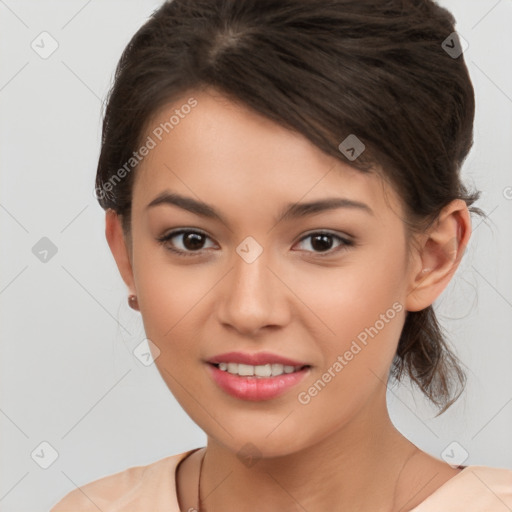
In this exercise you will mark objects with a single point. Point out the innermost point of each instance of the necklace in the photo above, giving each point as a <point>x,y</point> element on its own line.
<point>199,483</point>
<point>414,452</point>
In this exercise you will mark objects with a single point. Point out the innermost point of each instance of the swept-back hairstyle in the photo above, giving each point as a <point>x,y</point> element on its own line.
<point>386,71</point>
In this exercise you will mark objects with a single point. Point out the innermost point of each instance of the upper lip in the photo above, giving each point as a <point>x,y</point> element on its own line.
<point>259,358</point>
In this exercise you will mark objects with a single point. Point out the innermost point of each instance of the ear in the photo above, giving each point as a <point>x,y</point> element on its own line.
<point>438,256</point>
<point>119,247</point>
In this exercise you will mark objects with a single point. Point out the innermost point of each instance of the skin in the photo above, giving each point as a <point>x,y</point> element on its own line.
<point>341,447</point>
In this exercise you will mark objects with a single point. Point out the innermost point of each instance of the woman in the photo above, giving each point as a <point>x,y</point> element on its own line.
<point>283,201</point>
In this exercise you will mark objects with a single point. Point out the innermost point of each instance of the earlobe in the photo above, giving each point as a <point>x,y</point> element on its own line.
<point>440,253</point>
<point>118,246</point>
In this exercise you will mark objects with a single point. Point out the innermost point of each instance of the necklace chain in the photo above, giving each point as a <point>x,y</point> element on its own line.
<point>204,455</point>
<point>199,483</point>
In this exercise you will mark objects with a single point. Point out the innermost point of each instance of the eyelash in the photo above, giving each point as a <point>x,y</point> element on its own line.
<point>345,242</point>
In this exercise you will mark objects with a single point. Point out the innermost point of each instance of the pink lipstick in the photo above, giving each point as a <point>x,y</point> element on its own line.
<point>255,377</point>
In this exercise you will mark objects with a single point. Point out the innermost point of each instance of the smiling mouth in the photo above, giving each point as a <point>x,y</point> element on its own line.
<point>263,371</point>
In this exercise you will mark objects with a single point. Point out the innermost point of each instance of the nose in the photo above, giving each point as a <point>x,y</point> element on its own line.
<point>252,298</point>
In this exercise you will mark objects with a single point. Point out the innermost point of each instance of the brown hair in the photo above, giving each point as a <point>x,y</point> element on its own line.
<point>326,69</point>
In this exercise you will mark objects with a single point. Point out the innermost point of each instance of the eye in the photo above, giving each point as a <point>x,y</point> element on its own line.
<point>189,242</point>
<point>323,242</point>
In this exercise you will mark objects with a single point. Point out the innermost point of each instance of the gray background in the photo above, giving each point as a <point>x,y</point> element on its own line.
<point>68,375</point>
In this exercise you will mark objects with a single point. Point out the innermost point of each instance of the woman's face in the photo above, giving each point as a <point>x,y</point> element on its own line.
<point>260,272</point>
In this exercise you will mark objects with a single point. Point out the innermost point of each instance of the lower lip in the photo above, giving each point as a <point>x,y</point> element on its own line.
<point>256,388</point>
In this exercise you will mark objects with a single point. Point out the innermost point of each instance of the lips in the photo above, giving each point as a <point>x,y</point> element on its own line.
<point>256,387</point>
<point>257,359</point>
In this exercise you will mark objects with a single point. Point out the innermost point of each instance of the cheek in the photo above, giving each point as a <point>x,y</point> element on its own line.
<point>170,297</point>
<point>362,314</point>
<point>366,316</point>
<point>351,298</point>
<point>167,291</point>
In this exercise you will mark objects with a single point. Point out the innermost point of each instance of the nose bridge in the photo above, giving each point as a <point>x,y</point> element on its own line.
<point>250,283</point>
<point>250,298</point>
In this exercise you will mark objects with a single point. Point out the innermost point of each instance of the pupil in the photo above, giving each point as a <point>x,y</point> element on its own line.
<point>325,242</point>
<point>193,241</point>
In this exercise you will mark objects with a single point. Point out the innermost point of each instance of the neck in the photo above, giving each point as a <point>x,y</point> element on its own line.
<point>358,466</point>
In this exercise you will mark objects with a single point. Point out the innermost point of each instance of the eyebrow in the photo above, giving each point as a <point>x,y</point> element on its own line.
<point>291,211</point>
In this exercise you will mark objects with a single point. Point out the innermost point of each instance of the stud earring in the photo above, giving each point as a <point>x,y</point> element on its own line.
<point>132,302</point>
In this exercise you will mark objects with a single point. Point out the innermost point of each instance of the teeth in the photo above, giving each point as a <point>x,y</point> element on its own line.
<point>277,369</point>
<point>245,370</point>
<point>263,370</point>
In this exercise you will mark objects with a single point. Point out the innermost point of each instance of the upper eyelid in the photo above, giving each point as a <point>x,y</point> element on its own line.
<point>180,231</point>
<point>345,241</point>
<point>325,232</point>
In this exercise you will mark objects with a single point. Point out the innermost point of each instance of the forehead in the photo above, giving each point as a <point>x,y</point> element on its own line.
<point>224,149</point>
